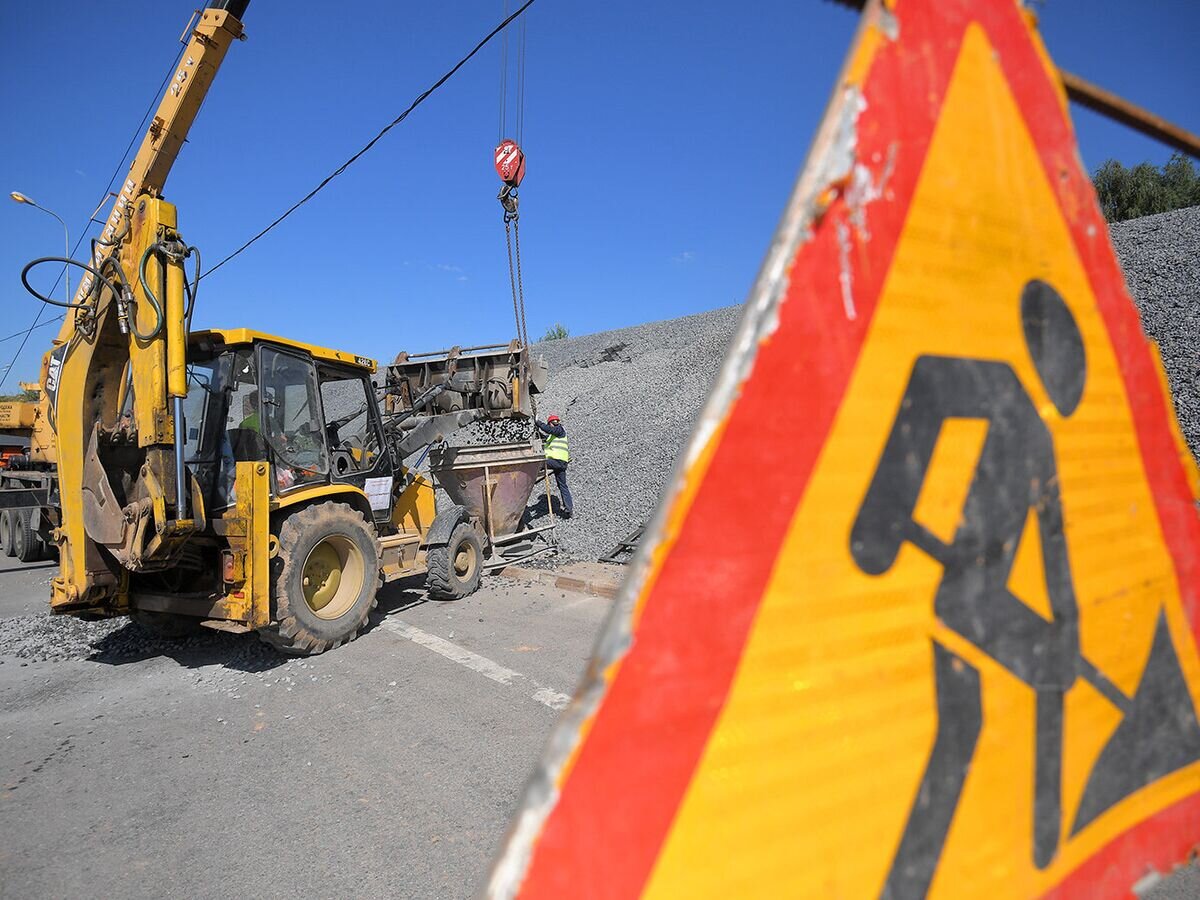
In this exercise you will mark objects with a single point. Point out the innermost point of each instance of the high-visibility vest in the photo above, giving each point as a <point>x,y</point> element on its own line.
<point>556,448</point>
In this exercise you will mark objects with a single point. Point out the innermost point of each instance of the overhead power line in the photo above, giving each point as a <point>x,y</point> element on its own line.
<point>396,121</point>
<point>138,132</point>
<point>35,325</point>
<point>24,334</point>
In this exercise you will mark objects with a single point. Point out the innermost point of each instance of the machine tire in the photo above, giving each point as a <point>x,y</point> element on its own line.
<point>27,545</point>
<point>331,546</point>
<point>168,626</point>
<point>6,532</point>
<point>456,567</point>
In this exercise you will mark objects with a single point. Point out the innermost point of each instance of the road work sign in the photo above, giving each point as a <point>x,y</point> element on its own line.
<point>918,615</point>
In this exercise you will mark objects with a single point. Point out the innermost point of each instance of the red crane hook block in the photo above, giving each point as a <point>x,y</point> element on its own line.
<point>510,162</point>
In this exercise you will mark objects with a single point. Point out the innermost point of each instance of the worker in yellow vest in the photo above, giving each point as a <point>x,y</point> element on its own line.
<point>554,442</point>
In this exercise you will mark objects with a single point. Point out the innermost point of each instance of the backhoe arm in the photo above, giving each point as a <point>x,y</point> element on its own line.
<point>127,502</point>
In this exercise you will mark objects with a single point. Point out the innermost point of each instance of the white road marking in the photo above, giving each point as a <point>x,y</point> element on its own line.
<point>475,662</point>
<point>551,698</point>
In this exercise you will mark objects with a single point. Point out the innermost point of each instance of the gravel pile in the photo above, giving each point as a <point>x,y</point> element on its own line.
<point>628,399</point>
<point>42,638</point>
<point>46,638</point>
<point>211,661</point>
<point>1161,258</point>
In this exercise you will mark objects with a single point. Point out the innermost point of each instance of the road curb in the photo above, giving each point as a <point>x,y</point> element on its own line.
<point>603,585</point>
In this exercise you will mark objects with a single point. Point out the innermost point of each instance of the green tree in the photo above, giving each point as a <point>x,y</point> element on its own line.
<point>556,333</point>
<point>1146,189</point>
<point>23,396</point>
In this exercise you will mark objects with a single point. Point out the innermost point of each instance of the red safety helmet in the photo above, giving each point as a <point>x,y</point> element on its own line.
<point>553,419</point>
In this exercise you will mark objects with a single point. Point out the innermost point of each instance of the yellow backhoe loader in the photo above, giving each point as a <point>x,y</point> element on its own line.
<point>230,478</point>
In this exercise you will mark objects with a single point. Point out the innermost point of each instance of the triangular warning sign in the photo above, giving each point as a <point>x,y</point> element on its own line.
<point>918,615</point>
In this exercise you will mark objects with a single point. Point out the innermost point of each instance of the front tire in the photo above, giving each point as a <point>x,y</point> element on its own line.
<point>324,580</point>
<point>455,569</point>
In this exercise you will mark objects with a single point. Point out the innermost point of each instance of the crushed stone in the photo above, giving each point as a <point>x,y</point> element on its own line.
<point>1160,256</point>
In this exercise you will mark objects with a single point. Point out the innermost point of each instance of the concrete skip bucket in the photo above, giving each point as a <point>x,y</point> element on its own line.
<point>493,482</point>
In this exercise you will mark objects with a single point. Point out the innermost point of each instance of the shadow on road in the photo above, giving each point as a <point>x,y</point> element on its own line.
<point>132,643</point>
<point>29,567</point>
<point>397,596</point>
<point>240,652</point>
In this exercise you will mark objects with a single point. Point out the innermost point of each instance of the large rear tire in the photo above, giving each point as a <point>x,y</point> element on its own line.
<point>6,532</point>
<point>455,569</point>
<point>27,545</point>
<point>324,580</point>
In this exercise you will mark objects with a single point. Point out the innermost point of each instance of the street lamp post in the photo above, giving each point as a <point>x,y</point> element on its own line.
<point>21,198</point>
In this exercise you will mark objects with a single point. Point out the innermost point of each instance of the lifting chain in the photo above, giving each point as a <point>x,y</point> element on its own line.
<point>512,236</point>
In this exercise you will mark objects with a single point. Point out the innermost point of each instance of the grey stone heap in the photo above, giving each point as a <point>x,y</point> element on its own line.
<point>628,398</point>
<point>1161,258</point>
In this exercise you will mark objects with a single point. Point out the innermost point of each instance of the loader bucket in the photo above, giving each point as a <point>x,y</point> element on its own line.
<point>493,481</point>
<point>498,378</point>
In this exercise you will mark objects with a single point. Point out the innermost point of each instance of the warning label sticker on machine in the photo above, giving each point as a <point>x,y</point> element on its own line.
<point>379,492</point>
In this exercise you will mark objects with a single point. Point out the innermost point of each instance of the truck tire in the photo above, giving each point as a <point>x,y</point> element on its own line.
<point>456,567</point>
<point>6,532</point>
<point>324,581</point>
<point>169,626</point>
<point>27,546</point>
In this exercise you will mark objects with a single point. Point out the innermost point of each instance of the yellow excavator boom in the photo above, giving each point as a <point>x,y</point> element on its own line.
<point>126,334</point>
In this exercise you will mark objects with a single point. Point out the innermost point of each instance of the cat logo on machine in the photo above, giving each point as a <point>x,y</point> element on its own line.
<point>54,364</point>
<point>919,614</point>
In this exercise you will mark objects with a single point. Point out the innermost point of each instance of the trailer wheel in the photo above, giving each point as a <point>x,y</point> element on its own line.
<point>324,579</point>
<point>456,567</point>
<point>6,541</point>
<point>27,545</point>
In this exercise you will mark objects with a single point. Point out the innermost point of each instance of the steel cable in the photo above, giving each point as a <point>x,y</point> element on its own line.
<point>503,81</point>
<point>396,121</point>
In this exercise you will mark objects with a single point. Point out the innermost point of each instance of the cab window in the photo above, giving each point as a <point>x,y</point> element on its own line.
<point>350,426</point>
<point>290,418</point>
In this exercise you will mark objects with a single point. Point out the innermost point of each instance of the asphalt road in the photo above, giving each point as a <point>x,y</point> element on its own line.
<point>389,767</point>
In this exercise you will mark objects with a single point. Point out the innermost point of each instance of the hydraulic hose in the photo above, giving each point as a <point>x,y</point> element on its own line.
<point>116,238</point>
<point>71,262</point>
<point>151,296</point>
<point>194,289</point>
<point>111,262</point>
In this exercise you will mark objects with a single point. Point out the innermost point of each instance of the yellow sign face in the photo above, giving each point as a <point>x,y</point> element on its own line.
<point>919,616</point>
<point>836,700</point>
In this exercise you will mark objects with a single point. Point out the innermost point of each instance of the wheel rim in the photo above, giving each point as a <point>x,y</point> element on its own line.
<point>332,577</point>
<point>465,561</point>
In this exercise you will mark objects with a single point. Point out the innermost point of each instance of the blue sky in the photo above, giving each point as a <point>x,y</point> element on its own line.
<point>662,140</point>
